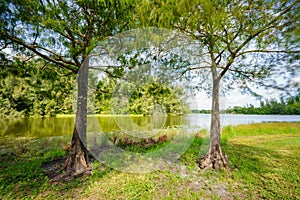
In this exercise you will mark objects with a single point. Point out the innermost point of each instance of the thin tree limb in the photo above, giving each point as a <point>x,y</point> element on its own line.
<point>267,51</point>
<point>253,35</point>
<point>33,49</point>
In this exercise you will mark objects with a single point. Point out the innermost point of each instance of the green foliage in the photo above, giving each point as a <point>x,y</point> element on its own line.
<point>290,106</point>
<point>62,32</point>
<point>33,89</point>
<point>240,42</point>
<point>202,111</point>
<point>104,92</point>
<point>150,98</point>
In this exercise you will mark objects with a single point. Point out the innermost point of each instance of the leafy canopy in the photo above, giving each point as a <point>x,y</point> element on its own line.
<point>242,41</point>
<point>61,32</point>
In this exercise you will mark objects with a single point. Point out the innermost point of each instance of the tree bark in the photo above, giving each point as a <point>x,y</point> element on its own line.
<point>215,158</point>
<point>78,161</point>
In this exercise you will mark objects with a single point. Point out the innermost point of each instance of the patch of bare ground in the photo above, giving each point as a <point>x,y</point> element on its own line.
<point>54,170</point>
<point>196,181</point>
<point>54,167</point>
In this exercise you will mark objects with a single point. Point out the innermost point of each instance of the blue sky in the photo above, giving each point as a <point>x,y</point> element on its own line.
<point>235,98</point>
<point>201,101</point>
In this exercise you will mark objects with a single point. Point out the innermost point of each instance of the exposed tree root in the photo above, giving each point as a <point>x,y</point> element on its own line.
<point>123,142</point>
<point>54,171</point>
<point>64,177</point>
<point>215,159</point>
<point>77,162</point>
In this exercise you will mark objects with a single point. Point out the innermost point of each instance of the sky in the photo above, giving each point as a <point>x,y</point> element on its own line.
<point>235,98</point>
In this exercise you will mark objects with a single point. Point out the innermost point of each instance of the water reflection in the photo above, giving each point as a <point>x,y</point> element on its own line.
<point>36,127</point>
<point>52,126</point>
<point>42,127</point>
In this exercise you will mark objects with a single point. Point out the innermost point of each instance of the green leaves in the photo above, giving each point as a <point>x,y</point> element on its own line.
<point>32,89</point>
<point>63,32</point>
<point>142,100</point>
<point>288,106</point>
<point>235,32</point>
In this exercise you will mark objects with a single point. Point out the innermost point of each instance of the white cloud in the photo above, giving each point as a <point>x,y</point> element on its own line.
<point>235,98</point>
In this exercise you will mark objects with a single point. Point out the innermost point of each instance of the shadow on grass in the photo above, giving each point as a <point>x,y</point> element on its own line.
<point>27,166</point>
<point>256,159</point>
<point>21,178</point>
<point>264,172</point>
<point>32,177</point>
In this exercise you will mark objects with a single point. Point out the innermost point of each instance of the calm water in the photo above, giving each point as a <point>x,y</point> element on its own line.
<point>41,127</point>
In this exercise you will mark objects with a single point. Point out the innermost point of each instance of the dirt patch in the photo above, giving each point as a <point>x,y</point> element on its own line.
<point>54,167</point>
<point>54,170</point>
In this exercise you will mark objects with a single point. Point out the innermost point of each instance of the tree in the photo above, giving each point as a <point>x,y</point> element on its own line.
<point>143,98</point>
<point>63,33</point>
<point>33,89</point>
<point>242,43</point>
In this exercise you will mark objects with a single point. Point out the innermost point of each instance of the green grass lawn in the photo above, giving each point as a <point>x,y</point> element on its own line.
<point>264,159</point>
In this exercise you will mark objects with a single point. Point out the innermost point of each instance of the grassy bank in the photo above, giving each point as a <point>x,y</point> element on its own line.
<point>264,160</point>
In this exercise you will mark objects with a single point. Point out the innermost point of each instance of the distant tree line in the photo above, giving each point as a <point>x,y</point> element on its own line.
<point>201,111</point>
<point>289,106</point>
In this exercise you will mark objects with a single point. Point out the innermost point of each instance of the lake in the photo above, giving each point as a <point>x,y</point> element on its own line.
<point>56,126</point>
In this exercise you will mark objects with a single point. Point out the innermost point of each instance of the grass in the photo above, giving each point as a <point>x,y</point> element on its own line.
<point>264,159</point>
<point>267,164</point>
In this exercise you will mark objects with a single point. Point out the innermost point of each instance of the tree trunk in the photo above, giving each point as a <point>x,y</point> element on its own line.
<point>215,158</point>
<point>77,162</point>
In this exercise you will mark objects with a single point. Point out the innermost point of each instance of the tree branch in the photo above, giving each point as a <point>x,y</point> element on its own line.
<point>264,28</point>
<point>246,74</point>
<point>59,62</point>
<point>194,68</point>
<point>267,51</point>
<point>59,57</point>
<point>253,35</point>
